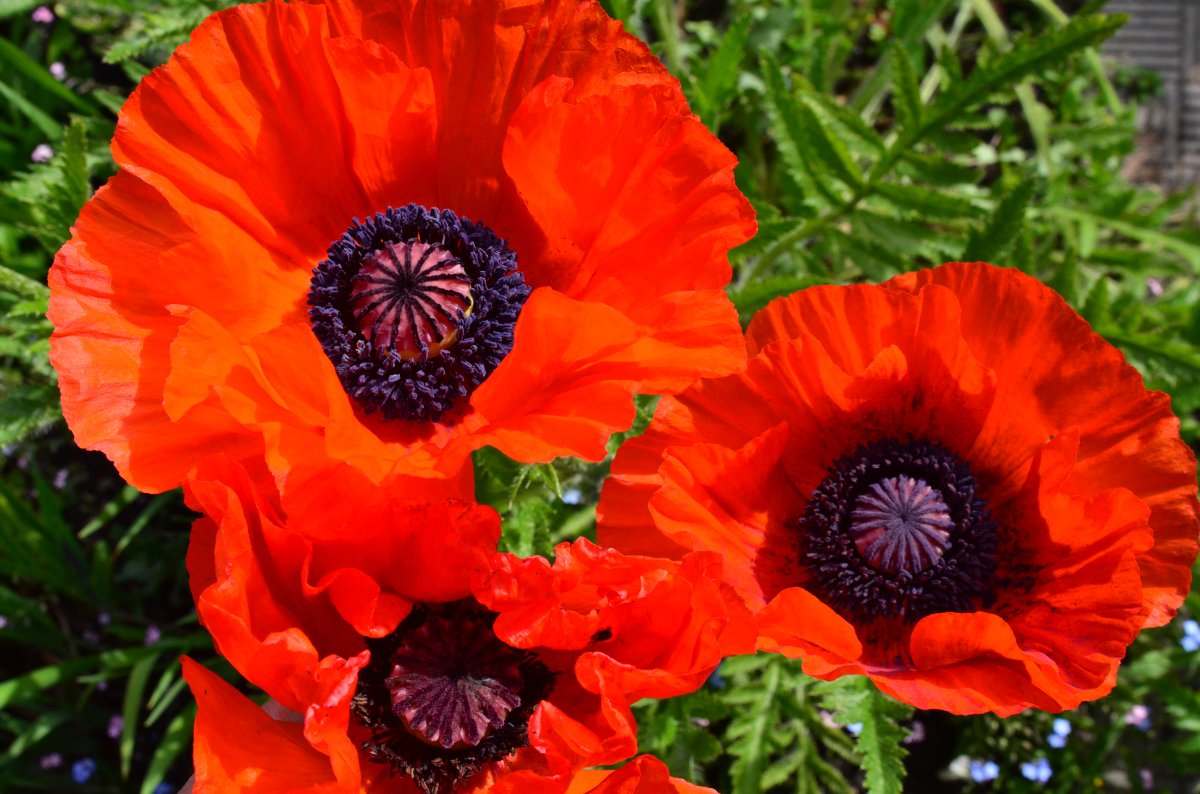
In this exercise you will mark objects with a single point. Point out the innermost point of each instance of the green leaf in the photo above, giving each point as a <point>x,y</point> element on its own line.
<point>1155,239</point>
<point>134,691</point>
<point>14,283</point>
<point>854,699</point>
<point>1028,55</point>
<point>717,85</point>
<point>906,91</point>
<point>176,741</point>
<point>21,65</point>
<point>998,233</point>
<point>40,118</point>
<point>804,141</point>
<point>749,737</point>
<point>928,202</point>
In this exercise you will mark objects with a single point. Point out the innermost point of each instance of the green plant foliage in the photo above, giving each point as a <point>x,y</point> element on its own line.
<point>876,718</point>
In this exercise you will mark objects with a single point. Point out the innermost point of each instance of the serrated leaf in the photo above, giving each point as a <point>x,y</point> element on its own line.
<point>906,90</point>
<point>14,283</point>
<point>879,741</point>
<point>834,114</point>
<point>749,733</point>
<point>718,84</point>
<point>805,143</point>
<point>1027,56</point>
<point>1001,229</point>
<point>928,202</point>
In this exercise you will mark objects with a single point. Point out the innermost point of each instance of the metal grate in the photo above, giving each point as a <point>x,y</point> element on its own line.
<point>1164,36</point>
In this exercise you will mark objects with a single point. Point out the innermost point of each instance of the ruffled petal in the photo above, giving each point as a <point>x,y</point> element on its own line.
<point>483,59</point>
<point>113,334</point>
<point>798,624</point>
<point>737,503</point>
<point>642,775</point>
<point>286,91</point>
<point>562,391</point>
<point>589,169</point>
<point>239,748</point>
<point>1054,373</point>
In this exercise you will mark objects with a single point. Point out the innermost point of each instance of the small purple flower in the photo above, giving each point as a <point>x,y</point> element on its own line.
<point>1147,778</point>
<point>1059,733</point>
<point>82,770</point>
<point>153,635</point>
<point>855,728</point>
<point>103,618</point>
<point>572,496</point>
<point>101,686</point>
<point>1154,287</point>
<point>58,71</point>
<point>1191,636</point>
<point>984,771</point>
<point>41,154</point>
<point>60,479</point>
<point>51,761</point>
<point>3,621</point>
<point>1038,771</point>
<point>164,788</point>
<point>916,733</point>
<point>90,636</point>
<point>1138,716</point>
<point>115,724</point>
<point>42,15</point>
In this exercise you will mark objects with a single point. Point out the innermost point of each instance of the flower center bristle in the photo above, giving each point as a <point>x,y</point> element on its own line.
<point>443,697</point>
<point>897,531</point>
<point>901,524</point>
<point>409,297</point>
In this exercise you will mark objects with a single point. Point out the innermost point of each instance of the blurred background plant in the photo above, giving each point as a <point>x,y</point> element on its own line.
<point>875,136</point>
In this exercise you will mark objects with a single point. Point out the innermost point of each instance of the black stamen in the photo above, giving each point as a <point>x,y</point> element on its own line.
<point>411,336</point>
<point>897,531</point>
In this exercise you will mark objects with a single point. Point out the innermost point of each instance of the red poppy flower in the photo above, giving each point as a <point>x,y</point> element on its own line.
<point>240,747</point>
<point>419,661</point>
<point>948,483</point>
<point>284,264</point>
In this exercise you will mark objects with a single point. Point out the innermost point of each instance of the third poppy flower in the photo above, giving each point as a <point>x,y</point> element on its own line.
<point>420,660</point>
<point>949,483</point>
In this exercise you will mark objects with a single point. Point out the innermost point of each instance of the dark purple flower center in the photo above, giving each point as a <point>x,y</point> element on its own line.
<point>415,307</point>
<point>897,530</point>
<point>901,524</point>
<point>450,689</point>
<point>443,696</point>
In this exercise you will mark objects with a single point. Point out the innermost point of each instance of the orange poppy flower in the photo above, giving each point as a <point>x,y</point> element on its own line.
<point>948,483</point>
<point>420,661</point>
<point>371,236</point>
